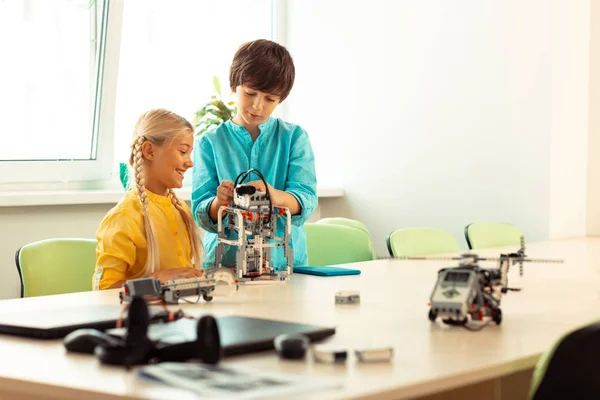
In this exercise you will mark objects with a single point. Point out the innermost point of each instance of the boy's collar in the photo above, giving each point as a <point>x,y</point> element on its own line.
<point>267,125</point>
<point>240,129</point>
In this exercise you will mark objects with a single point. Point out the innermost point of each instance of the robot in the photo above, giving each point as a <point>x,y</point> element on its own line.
<point>170,292</point>
<point>252,216</point>
<point>254,219</point>
<point>470,292</point>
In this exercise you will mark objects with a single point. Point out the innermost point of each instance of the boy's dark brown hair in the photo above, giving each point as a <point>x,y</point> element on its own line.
<point>265,66</point>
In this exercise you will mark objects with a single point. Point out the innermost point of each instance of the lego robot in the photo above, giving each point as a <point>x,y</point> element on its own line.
<point>254,219</point>
<point>467,290</point>
<point>171,291</point>
<point>470,292</point>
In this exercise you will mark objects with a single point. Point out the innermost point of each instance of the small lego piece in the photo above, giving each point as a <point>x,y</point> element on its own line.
<point>347,297</point>
<point>374,354</point>
<point>328,354</point>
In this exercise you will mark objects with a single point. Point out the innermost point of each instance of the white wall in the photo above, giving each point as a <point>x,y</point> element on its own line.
<point>570,39</point>
<point>593,145</point>
<point>445,112</point>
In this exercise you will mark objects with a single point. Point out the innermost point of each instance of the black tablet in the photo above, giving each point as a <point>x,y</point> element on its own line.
<point>239,335</point>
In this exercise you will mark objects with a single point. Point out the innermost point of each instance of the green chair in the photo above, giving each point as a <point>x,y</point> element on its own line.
<point>569,369</point>
<point>336,244</point>
<point>481,235</point>
<point>344,221</point>
<point>413,242</point>
<point>55,266</point>
<point>348,222</point>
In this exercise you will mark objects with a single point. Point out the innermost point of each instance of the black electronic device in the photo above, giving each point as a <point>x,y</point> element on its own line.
<point>238,335</point>
<point>136,348</point>
<point>245,189</point>
<point>292,347</point>
<point>58,322</point>
<point>86,340</point>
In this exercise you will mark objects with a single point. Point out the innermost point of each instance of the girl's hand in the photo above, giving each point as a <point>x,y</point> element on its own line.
<point>173,273</point>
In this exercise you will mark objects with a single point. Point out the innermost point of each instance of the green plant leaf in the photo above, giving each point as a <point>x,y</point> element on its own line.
<point>214,112</point>
<point>201,112</point>
<point>225,113</point>
<point>217,113</point>
<point>217,85</point>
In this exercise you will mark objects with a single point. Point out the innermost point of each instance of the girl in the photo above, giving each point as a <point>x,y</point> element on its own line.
<point>151,232</point>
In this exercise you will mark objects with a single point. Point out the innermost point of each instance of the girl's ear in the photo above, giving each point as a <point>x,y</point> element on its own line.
<point>148,150</point>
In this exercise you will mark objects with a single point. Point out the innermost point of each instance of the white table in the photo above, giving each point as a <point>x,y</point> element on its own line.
<point>430,360</point>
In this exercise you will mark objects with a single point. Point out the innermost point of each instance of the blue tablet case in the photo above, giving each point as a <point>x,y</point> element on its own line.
<point>325,271</point>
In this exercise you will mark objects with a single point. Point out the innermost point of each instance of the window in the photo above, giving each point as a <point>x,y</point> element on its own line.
<point>52,53</point>
<point>83,71</point>
<point>170,51</point>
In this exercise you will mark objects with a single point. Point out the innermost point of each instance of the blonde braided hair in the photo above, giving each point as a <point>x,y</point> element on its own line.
<point>157,126</point>
<point>192,228</point>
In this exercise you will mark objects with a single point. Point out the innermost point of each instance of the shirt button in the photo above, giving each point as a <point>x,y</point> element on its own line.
<point>178,253</point>
<point>176,233</point>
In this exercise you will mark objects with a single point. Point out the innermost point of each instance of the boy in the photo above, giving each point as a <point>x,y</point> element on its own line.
<point>261,75</point>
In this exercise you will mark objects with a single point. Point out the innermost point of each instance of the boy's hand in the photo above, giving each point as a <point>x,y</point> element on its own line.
<point>276,199</point>
<point>225,193</point>
<point>224,197</point>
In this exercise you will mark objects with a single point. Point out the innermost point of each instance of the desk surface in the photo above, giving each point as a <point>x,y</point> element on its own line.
<point>428,357</point>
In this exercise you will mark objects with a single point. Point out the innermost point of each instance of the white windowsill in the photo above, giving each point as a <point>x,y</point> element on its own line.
<point>72,197</point>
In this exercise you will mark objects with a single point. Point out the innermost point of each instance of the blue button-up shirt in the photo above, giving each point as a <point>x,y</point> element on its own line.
<point>282,153</point>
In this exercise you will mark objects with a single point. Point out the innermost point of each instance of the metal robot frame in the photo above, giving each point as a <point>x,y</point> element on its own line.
<point>253,218</point>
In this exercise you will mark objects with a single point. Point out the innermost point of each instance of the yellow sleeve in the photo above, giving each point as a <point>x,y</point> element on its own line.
<point>116,251</point>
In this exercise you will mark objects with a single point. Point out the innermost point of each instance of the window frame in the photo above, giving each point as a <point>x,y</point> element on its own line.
<point>107,17</point>
<point>101,173</point>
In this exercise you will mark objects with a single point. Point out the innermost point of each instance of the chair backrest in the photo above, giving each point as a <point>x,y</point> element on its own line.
<point>336,244</point>
<point>411,242</point>
<point>344,221</point>
<point>481,235</point>
<point>348,222</point>
<point>569,369</point>
<point>55,266</point>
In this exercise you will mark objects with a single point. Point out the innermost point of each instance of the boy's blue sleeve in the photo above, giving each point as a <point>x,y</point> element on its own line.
<point>302,179</point>
<point>204,183</point>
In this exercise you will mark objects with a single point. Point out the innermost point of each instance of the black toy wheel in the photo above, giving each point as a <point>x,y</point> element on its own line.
<point>432,315</point>
<point>497,317</point>
<point>455,322</point>
<point>207,297</point>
